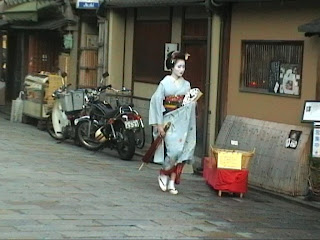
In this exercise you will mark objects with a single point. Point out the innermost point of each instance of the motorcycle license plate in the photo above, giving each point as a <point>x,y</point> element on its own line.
<point>131,124</point>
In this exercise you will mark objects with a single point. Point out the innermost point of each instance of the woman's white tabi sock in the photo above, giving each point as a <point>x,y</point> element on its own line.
<point>171,187</point>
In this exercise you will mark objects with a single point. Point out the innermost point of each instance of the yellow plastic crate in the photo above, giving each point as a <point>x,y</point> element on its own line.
<point>54,82</point>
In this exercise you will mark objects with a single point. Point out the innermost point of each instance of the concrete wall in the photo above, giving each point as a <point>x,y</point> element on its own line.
<point>272,21</point>
<point>273,167</point>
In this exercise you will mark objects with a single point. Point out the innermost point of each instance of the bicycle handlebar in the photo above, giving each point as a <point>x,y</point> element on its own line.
<point>123,90</point>
<point>104,87</point>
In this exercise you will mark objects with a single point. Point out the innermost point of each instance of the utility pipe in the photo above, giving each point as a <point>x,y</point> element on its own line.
<point>210,4</point>
<point>207,87</point>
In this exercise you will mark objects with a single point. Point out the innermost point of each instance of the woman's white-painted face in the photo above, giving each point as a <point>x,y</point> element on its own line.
<point>179,68</point>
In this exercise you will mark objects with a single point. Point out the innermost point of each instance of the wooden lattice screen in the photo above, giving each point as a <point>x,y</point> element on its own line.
<point>258,57</point>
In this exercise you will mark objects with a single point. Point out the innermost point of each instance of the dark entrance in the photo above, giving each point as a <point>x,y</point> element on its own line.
<point>30,52</point>
<point>194,42</point>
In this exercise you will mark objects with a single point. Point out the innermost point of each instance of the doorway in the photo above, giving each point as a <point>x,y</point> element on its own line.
<point>88,52</point>
<point>194,42</point>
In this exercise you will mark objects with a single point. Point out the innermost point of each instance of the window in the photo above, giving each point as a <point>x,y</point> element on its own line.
<point>272,67</point>
<point>150,36</point>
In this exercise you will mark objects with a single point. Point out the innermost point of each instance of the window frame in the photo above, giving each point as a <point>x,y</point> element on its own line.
<point>159,62</point>
<point>275,43</point>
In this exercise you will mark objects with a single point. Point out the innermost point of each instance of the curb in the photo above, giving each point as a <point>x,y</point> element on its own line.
<point>300,200</point>
<point>315,205</point>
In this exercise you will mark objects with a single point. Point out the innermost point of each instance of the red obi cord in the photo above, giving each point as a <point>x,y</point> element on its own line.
<point>235,181</point>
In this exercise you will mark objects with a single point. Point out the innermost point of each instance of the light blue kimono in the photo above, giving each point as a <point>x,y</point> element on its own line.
<point>180,139</point>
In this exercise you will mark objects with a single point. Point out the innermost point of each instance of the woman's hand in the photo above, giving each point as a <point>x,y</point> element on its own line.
<point>161,131</point>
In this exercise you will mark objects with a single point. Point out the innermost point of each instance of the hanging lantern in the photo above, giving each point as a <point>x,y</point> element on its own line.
<point>67,41</point>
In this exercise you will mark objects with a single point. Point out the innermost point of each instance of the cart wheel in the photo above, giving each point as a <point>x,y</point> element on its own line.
<point>42,125</point>
<point>241,195</point>
<point>219,193</point>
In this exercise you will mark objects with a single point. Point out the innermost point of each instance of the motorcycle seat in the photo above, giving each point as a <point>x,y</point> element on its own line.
<point>126,108</point>
<point>110,113</point>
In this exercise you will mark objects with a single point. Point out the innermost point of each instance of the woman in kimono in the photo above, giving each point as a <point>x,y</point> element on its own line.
<point>166,106</point>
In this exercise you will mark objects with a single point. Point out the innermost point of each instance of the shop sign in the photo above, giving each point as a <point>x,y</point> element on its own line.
<point>87,4</point>
<point>229,160</point>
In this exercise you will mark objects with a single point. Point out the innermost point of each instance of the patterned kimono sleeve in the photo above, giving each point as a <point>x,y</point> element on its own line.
<point>156,106</point>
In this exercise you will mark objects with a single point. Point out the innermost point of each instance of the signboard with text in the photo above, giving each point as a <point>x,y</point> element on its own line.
<point>311,111</point>
<point>87,4</point>
<point>229,160</point>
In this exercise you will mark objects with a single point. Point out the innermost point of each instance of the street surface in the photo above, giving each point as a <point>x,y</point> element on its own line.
<point>52,190</point>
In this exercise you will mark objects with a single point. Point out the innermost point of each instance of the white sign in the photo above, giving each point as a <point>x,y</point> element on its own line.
<point>169,47</point>
<point>234,142</point>
<point>229,160</point>
<point>316,140</point>
<point>311,111</point>
<point>87,4</point>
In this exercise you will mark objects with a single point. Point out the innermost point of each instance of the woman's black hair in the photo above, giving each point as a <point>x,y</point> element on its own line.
<point>172,58</point>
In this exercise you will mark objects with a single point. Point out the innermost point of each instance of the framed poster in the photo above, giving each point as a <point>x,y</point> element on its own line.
<point>290,79</point>
<point>293,139</point>
<point>311,111</point>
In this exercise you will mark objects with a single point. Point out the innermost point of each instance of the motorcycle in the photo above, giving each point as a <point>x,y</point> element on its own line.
<point>109,127</point>
<point>139,133</point>
<point>68,107</point>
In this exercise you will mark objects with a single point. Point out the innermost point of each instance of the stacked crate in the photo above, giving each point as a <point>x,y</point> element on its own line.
<point>54,82</point>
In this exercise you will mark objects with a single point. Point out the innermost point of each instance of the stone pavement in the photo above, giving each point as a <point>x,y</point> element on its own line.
<point>54,190</point>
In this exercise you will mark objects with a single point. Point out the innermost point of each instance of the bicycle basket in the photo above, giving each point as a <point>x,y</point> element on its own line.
<point>72,100</point>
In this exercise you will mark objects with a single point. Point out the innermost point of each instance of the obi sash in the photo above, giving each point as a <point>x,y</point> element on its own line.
<point>173,102</point>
